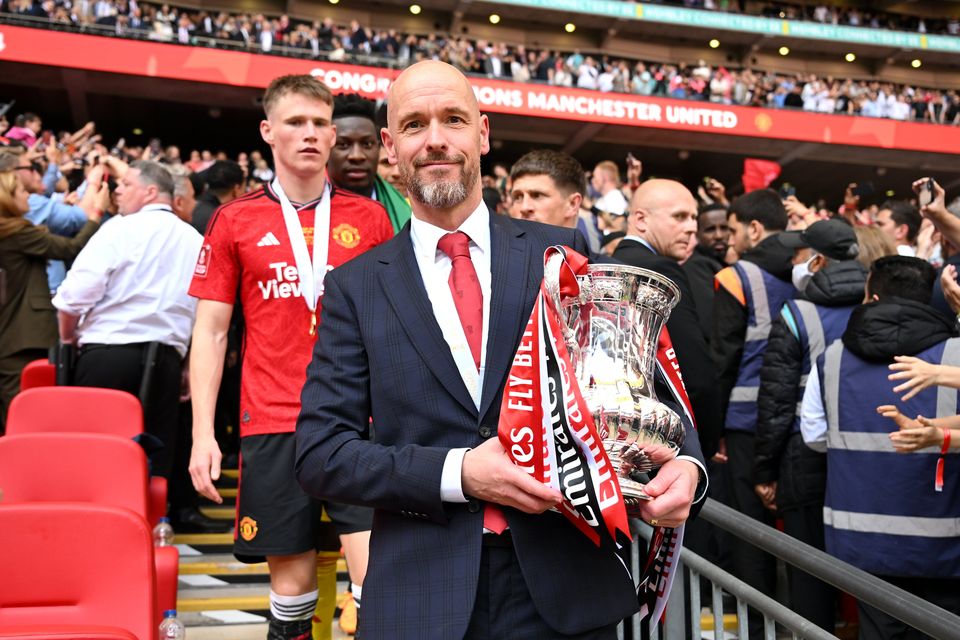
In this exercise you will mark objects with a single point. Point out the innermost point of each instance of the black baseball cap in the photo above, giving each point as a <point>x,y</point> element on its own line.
<point>834,239</point>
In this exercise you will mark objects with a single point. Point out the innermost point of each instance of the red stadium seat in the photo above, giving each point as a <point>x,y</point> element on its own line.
<point>85,467</point>
<point>39,373</point>
<point>84,410</point>
<point>77,570</point>
<point>75,409</point>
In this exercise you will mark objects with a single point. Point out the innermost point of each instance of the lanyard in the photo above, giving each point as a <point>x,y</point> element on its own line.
<point>311,275</point>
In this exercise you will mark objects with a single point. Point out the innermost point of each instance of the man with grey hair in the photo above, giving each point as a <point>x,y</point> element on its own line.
<point>124,302</point>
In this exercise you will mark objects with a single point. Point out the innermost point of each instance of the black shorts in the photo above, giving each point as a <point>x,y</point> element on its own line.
<point>274,515</point>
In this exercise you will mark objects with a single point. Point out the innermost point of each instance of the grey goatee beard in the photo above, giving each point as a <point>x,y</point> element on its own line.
<point>438,195</point>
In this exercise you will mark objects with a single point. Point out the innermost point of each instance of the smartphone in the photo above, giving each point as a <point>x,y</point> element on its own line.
<point>925,197</point>
<point>787,190</point>
<point>707,180</point>
<point>630,157</point>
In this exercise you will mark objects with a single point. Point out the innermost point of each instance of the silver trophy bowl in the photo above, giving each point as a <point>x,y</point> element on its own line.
<point>611,332</point>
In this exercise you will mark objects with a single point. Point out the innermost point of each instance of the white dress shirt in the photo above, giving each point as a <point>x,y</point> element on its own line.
<point>435,268</point>
<point>129,284</point>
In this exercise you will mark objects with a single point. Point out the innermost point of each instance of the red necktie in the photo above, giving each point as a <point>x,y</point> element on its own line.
<point>468,298</point>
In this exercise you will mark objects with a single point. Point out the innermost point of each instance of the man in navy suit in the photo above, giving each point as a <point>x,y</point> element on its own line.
<point>395,344</point>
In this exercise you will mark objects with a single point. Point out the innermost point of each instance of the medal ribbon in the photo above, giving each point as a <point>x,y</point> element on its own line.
<point>310,275</point>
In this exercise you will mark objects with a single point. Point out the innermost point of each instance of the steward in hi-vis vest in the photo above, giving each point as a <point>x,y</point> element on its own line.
<point>882,512</point>
<point>748,296</point>
<point>789,476</point>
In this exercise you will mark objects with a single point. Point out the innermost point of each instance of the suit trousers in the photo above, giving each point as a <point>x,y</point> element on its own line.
<point>122,367</point>
<point>812,598</point>
<point>752,565</point>
<point>504,608</point>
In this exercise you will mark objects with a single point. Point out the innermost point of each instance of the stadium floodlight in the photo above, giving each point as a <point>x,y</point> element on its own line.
<point>784,51</point>
<point>714,43</point>
<point>916,63</point>
<point>494,18</point>
<point>569,27</point>
<point>415,9</point>
<point>850,57</point>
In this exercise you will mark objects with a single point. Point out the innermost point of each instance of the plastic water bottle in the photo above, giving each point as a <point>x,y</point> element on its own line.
<point>171,628</point>
<point>163,533</point>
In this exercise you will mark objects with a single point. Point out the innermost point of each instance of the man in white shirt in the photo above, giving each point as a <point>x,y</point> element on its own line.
<point>125,304</point>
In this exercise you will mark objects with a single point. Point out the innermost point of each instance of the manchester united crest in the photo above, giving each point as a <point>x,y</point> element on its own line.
<point>345,235</point>
<point>248,528</point>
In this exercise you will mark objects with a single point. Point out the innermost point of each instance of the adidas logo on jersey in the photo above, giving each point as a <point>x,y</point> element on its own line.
<point>268,240</point>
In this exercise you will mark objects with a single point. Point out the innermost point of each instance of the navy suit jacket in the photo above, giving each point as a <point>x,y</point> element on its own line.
<point>380,352</point>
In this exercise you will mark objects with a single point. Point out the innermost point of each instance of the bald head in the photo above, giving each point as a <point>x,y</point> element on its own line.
<point>435,135</point>
<point>664,213</point>
<point>432,73</point>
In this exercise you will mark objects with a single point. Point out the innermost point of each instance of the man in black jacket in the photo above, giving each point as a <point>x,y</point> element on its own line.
<point>224,179</point>
<point>749,295</point>
<point>789,476</point>
<point>661,221</point>
<point>709,257</point>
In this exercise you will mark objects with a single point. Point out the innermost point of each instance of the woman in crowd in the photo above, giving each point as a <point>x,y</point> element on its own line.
<point>28,321</point>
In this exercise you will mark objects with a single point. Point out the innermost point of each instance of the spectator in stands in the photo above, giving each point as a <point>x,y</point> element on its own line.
<point>27,319</point>
<point>660,225</point>
<point>789,477</point>
<point>279,287</point>
<point>901,222</point>
<point>547,186</point>
<point>709,257</point>
<point>356,153</point>
<point>224,183</point>
<point>903,531</point>
<point>125,304</point>
<point>749,295</point>
<point>605,200</point>
<point>26,128</point>
<point>51,211</point>
<point>184,201</point>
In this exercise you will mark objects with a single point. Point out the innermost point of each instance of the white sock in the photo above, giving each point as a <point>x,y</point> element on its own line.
<point>356,589</point>
<point>293,607</point>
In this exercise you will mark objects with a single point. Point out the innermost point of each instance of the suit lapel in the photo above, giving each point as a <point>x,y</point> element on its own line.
<point>511,282</point>
<point>403,285</point>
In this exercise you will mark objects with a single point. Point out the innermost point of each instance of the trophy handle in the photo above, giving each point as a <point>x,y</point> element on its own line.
<point>551,280</point>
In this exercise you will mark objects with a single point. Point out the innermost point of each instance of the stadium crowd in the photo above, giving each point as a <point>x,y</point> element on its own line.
<point>762,274</point>
<point>692,80</point>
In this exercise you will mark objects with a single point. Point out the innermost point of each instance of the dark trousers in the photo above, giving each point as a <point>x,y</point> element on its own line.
<point>181,491</point>
<point>755,567</point>
<point>122,367</point>
<point>11,367</point>
<point>811,598</point>
<point>504,608</point>
<point>876,625</point>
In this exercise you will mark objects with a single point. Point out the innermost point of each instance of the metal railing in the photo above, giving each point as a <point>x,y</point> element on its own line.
<point>916,612</point>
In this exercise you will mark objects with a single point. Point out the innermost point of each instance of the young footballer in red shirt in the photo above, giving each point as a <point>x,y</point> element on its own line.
<point>275,246</point>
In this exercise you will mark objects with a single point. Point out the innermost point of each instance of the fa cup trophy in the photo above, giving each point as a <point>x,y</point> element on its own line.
<point>611,332</point>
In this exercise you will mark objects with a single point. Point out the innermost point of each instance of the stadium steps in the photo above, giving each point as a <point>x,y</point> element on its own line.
<point>218,596</point>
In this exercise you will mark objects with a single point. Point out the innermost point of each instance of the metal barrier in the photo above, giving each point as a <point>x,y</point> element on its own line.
<point>916,612</point>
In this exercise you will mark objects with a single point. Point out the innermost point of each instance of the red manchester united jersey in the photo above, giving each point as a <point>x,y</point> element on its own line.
<point>247,246</point>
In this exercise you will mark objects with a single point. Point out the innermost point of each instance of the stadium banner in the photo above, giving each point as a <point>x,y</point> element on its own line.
<point>752,24</point>
<point>200,64</point>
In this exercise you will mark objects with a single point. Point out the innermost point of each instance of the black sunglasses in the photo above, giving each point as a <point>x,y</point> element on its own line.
<point>33,166</point>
